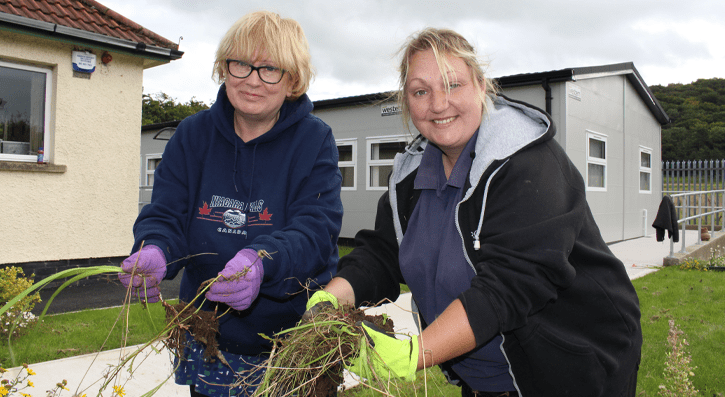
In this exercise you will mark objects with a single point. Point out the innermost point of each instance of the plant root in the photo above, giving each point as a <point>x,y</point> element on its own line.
<point>202,325</point>
<point>308,360</point>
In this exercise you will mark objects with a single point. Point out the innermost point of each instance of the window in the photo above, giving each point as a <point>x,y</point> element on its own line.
<point>152,162</point>
<point>25,93</point>
<point>596,162</point>
<point>347,148</point>
<point>645,170</point>
<point>381,153</point>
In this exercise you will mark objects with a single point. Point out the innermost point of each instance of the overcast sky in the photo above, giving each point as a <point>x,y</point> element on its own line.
<point>354,43</point>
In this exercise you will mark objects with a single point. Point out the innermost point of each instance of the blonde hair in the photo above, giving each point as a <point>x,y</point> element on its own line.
<point>444,43</point>
<point>282,38</point>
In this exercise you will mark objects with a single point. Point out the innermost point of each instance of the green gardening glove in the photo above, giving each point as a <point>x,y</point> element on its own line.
<point>318,300</point>
<point>382,355</point>
<point>321,297</point>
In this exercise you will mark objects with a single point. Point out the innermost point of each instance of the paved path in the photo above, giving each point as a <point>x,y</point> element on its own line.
<point>644,255</point>
<point>640,257</point>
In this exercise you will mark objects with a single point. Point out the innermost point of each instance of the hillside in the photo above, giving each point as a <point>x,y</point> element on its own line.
<point>697,110</point>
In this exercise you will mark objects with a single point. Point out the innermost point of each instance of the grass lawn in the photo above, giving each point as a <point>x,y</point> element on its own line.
<point>695,300</point>
<point>71,334</point>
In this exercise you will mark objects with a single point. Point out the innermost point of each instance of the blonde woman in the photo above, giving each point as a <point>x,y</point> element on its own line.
<point>256,172</point>
<point>486,221</point>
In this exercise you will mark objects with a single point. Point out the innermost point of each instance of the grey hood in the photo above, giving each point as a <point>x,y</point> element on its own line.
<point>506,129</point>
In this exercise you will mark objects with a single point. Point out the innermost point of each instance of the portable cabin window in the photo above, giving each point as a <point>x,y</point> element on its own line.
<point>645,170</point>
<point>347,148</point>
<point>381,153</point>
<point>25,93</point>
<point>152,162</point>
<point>596,162</point>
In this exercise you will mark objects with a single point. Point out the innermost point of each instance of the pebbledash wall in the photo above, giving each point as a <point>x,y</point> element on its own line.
<point>77,209</point>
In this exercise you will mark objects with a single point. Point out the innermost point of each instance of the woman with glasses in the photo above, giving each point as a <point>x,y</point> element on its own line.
<point>249,192</point>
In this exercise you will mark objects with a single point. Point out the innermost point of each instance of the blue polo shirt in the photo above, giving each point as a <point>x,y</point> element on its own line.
<point>433,265</point>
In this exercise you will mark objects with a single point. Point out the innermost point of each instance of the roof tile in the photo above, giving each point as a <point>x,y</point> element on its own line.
<point>88,15</point>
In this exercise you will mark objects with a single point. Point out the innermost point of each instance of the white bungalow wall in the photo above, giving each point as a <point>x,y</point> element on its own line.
<point>87,211</point>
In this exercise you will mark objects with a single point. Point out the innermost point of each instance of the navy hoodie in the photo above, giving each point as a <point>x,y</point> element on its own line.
<point>215,194</point>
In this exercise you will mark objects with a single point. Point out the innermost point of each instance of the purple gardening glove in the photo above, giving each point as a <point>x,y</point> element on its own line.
<point>144,270</point>
<point>240,280</point>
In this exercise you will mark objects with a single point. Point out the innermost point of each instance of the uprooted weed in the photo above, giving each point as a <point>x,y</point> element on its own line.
<point>202,325</point>
<point>308,360</point>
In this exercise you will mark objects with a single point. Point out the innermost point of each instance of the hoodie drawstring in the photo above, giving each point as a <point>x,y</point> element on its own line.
<point>476,242</point>
<point>234,173</point>
<point>251,177</point>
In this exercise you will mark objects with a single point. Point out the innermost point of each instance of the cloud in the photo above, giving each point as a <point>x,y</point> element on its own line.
<point>354,43</point>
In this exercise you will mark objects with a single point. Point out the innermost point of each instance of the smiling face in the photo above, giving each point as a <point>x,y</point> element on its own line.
<point>446,113</point>
<point>256,102</point>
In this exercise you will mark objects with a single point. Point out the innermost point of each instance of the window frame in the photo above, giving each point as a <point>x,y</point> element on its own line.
<point>147,172</point>
<point>47,108</point>
<point>591,135</point>
<point>645,170</point>
<point>352,142</point>
<point>370,162</point>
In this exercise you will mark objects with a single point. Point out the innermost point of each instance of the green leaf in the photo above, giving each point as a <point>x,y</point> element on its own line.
<point>63,274</point>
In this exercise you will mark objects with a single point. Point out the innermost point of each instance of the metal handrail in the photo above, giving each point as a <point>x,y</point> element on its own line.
<point>687,207</point>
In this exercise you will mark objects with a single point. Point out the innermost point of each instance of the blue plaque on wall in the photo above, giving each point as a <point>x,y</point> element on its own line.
<point>84,62</point>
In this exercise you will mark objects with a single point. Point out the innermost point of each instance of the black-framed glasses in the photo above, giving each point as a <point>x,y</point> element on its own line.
<point>241,70</point>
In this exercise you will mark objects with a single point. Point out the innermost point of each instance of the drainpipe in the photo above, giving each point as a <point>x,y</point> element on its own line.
<point>547,89</point>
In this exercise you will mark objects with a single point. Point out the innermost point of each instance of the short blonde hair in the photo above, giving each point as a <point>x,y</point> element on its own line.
<point>444,43</point>
<point>282,38</point>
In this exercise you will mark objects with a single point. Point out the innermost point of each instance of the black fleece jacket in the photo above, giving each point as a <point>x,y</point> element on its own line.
<point>545,279</point>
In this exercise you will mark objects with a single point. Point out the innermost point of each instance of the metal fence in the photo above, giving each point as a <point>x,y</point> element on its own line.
<point>693,175</point>
<point>697,189</point>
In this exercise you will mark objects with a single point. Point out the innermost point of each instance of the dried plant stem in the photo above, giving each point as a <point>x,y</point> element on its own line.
<point>181,318</point>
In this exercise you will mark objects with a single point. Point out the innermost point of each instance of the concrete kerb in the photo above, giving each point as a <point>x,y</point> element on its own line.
<point>704,251</point>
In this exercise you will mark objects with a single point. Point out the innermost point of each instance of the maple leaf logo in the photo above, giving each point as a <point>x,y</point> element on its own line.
<point>205,210</point>
<point>265,216</point>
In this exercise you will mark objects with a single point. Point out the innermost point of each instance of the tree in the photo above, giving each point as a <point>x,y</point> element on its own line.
<point>697,112</point>
<point>160,107</point>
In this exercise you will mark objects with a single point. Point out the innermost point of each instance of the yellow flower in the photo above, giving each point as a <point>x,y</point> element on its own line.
<point>30,371</point>
<point>30,384</point>
<point>26,395</point>
<point>119,391</point>
<point>3,391</point>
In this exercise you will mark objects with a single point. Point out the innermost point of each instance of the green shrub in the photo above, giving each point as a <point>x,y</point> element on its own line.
<point>12,282</point>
